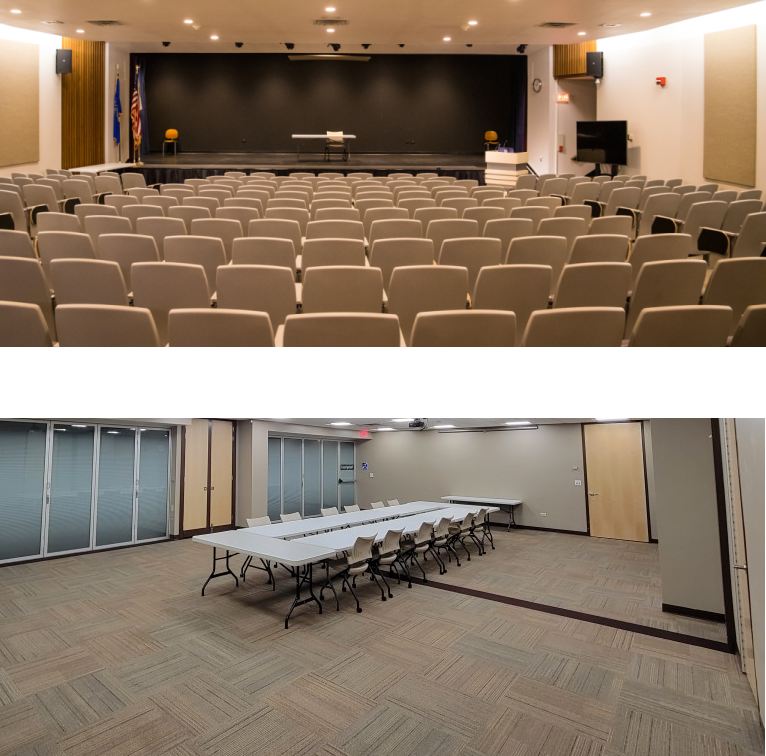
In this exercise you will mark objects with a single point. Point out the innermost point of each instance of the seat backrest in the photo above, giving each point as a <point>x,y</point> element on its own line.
<point>659,247</point>
<point>134,212</point>
<point>207,327</point>
<point>483,214</point>
<point>278,229</point>
<point>162,287</point>
<point>752,237</point>
<point>126,249</point>
<point>377,505</point>
<point>614,224</point>
<point>507,229</point>
<point>109,184</point>
<point>584,191</point>
<point>472,253</point>
<point>394,228</point>
<point>747,193</point>
<point>263,288</point>
<point>133,180</point>
<point>569,228</point>
<point>263,251</point>
<point>682,326</point>
<point>37,194</point>
<point>257,522</point>
<point>527,181</point>
<point>55,245</point>
<point>506,203</point>
<point>392,502</point>
<point>159,228</point>
<point>651,191</point>
<point>224,229</point>
<point>88,282</point>
<point>206,251</point>
<point>119,201</point>
<point>607,188</point>
<point>290,517</point>
<point>575,327</point>
<point>78,188</point>
<point>425,288</point>
<point>391,543</point>
<point>242,214</point>
<point>417,203</point>
<point>84,211</point>
<point>329,511</point>
<point>17,243</point>
<point>737,212</point>
<point>751,330</point>
<point>23,280</point>
<point>387,254</point>
<point>711,188</point>
<point>663,203</point>
<point>92,325</point>
<point>521,289</point>
<point>384,213</point>
<point>211,203</point>
<point>22,325</point>
<point>535,214</point>
<point>352,329</point>
<point>428,214</point>
<point>689,199</point>
<point>188,213</point>
<point>666,283</point>
<point>737,284</point>
<point>627,196</point>
<point>351,508</point>
<point>540,250</point>
<point>593,285</point>
<point>289,213</point>
<point>452,228</point>
<point>96,225</point>
<point>342,288</point>
<point>553,186</point>
<point>335,230</point>
<point>725,195</point>
<point>320,252</point>
<point>464,328</point>
<point>523,194</point>
<point>599,248</point>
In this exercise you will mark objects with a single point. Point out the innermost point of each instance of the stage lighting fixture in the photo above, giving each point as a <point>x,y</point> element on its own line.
<point>401,45</point>
<point>366,47</point>
<point>334,46</point>
<point>238,44</point>
<point>469,45</point>
<point>289,45</point>
<point>520,49</point>
<point>166,44</point>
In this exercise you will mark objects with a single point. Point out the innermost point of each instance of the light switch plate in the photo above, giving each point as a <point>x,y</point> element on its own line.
<point>578,482</point>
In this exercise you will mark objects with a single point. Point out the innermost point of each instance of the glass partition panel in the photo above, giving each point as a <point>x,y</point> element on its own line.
<point>329,473</point>
<point>154,453</point>
<point>114,508</point>
<point>274,503</point>
<point>71,491</point>
<point>312,477</point>
<point>22,486</point>
<point>347,473</point>
<point>291,480</point>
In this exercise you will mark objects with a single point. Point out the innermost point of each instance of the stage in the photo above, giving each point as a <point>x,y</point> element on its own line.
<point>171,169</point>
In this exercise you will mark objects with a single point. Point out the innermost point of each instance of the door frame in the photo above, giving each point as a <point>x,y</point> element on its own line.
<point>646,481</point>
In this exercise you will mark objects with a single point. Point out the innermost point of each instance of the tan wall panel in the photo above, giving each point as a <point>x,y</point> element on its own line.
<point>730,106</point>
<point>570,60</point>
<point>82,105</point>
<point>195,476</point>
<point>19,103</point>
<point>220,473</point>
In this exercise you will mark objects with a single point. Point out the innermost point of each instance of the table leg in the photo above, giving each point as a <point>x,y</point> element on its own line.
<point>302,578</point>
<point>227,571</point>
<point>511,519</point>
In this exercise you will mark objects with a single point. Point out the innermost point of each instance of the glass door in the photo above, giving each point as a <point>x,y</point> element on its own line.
<point>312,477</point>
<point>153,484</point>
<point>292,476</point>
<point>329,474</point>
<point>347,476</point>
<point>116,486</point>
<point>274,500</point>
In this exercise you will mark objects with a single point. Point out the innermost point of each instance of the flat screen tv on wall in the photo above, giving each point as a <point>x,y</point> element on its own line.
<point>602,142</point>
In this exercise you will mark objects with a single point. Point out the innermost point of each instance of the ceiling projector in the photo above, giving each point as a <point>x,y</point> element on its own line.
<point>417,424</point>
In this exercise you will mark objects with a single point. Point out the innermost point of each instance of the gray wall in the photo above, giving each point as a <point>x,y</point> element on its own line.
<point>533,465</point>
<point>686,505</point>
<point>750,447</point>
<point>651,497</point>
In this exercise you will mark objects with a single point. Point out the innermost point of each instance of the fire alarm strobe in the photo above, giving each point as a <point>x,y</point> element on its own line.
<point>661,81</point>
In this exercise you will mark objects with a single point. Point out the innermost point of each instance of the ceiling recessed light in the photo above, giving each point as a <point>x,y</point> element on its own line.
<point>611,419</point>
<point>385,429</point>
<point>341,423</point>
<point>580,34</point>
<point>215,36</point>
<point>81,31</point>
<point>646,14</point>
<point>75,425</point>
<point>15,11</point>
<point>518,422</point>
<point>472,23</point>
<point>188,21</point>
<point>402,419</point>
<point>447,39</point>
<point>330,10</point>
<point>331,30</point>
<point>440,427</point>
<point>113,433</point>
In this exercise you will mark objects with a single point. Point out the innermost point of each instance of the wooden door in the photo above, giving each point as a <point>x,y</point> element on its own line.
<point>616,481</point>
<point>195,516</point>
<point>221,473</point>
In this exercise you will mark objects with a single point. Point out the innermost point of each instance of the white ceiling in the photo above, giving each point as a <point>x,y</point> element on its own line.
<point>420,25</point>
<point>372,423</point>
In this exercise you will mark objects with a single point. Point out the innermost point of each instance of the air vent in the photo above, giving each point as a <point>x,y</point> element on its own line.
<point>610,26</point>
<point>330,22</point>
<point>556,25</point>
<point>106,23</point>
<point>50,23</point>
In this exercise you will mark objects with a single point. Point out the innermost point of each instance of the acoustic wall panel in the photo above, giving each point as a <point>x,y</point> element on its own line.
<point>730,106</point>
<point>19,103</point>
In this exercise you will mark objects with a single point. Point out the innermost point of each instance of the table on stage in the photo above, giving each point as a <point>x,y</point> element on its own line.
<point>309,137</point>
<point>511,504</point>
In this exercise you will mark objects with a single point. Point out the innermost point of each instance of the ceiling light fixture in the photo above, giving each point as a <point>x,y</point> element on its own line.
<point>331,31</point>
<point>402,419</point>
<point>448,39</point>
<point>518,422</point>
<point>15,11</point>
<point>385,429</point>
<point>472,23</point>
<point>442,427</point>
<point>645,14</point>
<point>341,423</point>
<point>330,10</point>
<point>580,34</point>
<point>75,425</point>
<point>611,419</point>
<point>81,31</point>
<point>189,21</point>
<point>215,36</point>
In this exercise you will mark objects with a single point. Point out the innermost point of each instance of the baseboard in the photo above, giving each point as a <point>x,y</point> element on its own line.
<point>534,527</point>
<point>653,540</point>
<point>696,613</point>
<point>202,531</point>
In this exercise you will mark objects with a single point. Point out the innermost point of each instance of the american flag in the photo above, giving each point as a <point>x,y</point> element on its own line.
<point>135,116</point>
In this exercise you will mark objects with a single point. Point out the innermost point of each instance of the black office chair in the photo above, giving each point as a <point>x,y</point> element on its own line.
<point>335,141</point>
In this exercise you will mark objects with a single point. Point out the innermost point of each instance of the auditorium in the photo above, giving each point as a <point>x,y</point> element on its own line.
<point>502,173</point>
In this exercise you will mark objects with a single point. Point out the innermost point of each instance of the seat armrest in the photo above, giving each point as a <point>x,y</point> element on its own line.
<point>70,204</point>
<point>99,198</point>
<point>279,336</point>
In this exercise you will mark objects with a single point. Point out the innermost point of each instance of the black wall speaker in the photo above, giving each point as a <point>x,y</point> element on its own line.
<point>63,61</point>
<point>594,64</point>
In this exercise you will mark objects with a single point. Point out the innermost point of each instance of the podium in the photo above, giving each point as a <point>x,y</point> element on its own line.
<point>503,168</point>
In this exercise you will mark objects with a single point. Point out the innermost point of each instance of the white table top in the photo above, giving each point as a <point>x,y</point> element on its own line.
<point>324,136</point>
<point>323,524</point>
<point>484,500</point>
<point>291,553</point>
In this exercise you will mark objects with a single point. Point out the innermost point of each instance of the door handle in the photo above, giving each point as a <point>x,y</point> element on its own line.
<point>212,488</point>
<point>740,566</point>
<point>590,493</point>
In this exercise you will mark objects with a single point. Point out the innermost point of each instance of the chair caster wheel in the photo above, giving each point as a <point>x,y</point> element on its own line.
<point>359,610</point>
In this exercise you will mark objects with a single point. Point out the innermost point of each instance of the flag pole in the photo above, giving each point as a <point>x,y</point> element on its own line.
<point>119,122</point>
<point>137,147</point>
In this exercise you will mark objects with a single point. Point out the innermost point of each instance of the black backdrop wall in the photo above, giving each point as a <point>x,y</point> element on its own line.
<point>254,102</point>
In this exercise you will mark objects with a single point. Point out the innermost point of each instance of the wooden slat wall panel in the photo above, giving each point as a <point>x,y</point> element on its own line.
<point>569,60</point>
<point>82,105</point>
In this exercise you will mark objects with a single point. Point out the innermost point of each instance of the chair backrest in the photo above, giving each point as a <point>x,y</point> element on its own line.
<point>120,201</point>
<point>85,210</point>
<point>746,194</point>
<point>725,195</point>
<point>134,212</point>
<point>17,243</point>
<point>553,186</point>
<point>665,283</point>
<point>335,230</point>
<point>96,225</point>
<point>392,502</point>
<point>472,253</point>
<point>550,202</point>
<point>751,330</point>
<point>599,248</point>
<point>704,214</point>
<point>162,287</point>
<point>575,327</point>
<point>263,251</point>
<point>540,250</point>
<point>424,534</point>
<point>682,326</point>
<point>464,328</point>
<point>263,288</point>
<point>527,181</point>
<point>126,249</point>
<point>505,203</point>
<point>338,213</point>
<point>384,213</point>
<point>207,327</point>
<point>142,192</point>
<point>394,228</point>
<point>569,228</point>
<point>23,325</point>
<point>377,505</point>
<point>329,511</point>
<point>277,228</point>
<point>224,229</point>
<point>325,203</point>
<point>159,228</point>
<point>92,325</point>
<point>361,551</point>
<point>37,194</point>
<point>88,282</point>
<point>111,184</point>
<point>363,205</point>
<point>658,204</point>
<point>520,289</point>
<point>352,329</point>
<point>197,250</point>
<point>211,203</point>
<point>257,522</point>
<point>535,214</point>
<point>417,203</point>
<point>342,288</point>
<point>188,213</point>
<point>289,213</point>
<point>387,254</point>
<point>593,285</point>
<point>614,224</point>
<point>290,516</point>
<point>712,188</point>
<point>391,542</point>
<point>55,245</point>
<point>78,189</point>
<point>737,284</point>
<point>671,183</point>
<point>425,288</point>
<point>523,194</point>
<point>737,212</point>
<point>584,191</point>
<point>321,252</point>
<point>627,196</point>
<point>133,180</point>
<point>651,191</point>
<point>23,280</point>
<point>351,508</point>
<point>659,247</point>
<point>452,228</point>
<point>484,214</point>
<point>689,199</point>
<point>752,237</point>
